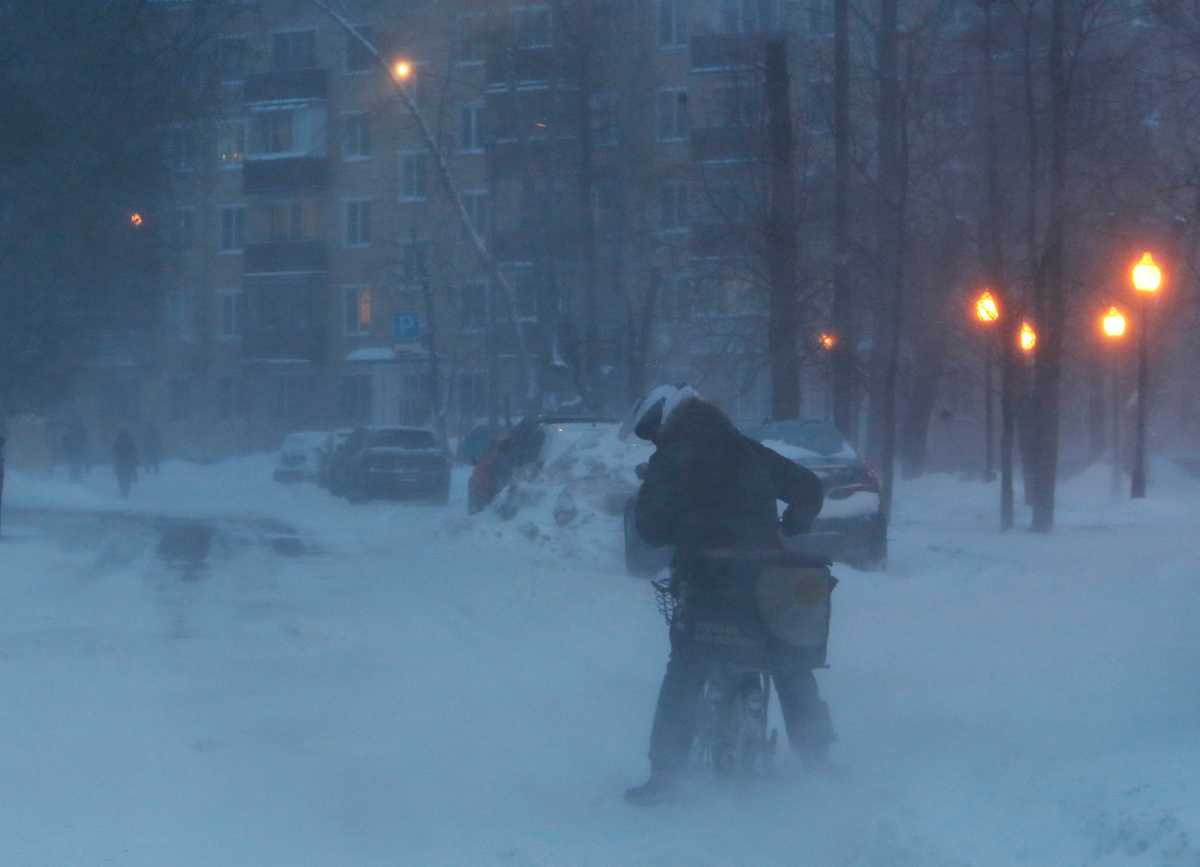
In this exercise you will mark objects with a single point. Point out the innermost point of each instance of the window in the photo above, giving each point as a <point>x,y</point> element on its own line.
<point>672,115</point>
<point>231,143</point>
<point>291,221</point>
<point>525,287</point>
<point>358,58</point>
<point>274,132</point>
<point>412,177</point>
<point>180,153</point>
<point>356,310</point>
<point>179,312</point>
<point>415,261</point>
<point>531,26</point>
<point>231,313</point>
<point>358,223</point>
<point>820,106</point>
<point>749,16</point>
<point>291,394</point>
<point>232,219</point>
<point>604,117</point>
<point>474,306</point>
<point>475,202</point>
<point>673,210</point>
<point>183,229</point>
<point>742,105</point>
<point>180,392</point>
<point>672,23</point>
<point>232,58</point>
<point>471,128</point>
<point>294,50</point>
<point>676,297</point>
<point>354,398</point>
<point>356,136</point>
<point>820,17</point>
<point>226,397</point>
<point>472,37</point>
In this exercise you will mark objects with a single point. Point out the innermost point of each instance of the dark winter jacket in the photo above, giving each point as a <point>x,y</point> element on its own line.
<point>710,486</point>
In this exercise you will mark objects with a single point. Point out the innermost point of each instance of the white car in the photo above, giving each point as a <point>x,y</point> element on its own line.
<point>299,457</point>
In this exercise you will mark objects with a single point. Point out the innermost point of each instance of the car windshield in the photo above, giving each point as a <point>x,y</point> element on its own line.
<point>401,439</point>
<point>298,442</point>
<point>819,437</point>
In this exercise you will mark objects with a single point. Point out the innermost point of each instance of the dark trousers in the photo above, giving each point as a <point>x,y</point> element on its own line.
<point>809,729</point>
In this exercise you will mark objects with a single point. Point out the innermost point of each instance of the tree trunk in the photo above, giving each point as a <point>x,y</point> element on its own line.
<point>891,235</point>
<point>1052,307</point>
<point>845,408</point>
<point>781,240</point>
<point>926,385</point>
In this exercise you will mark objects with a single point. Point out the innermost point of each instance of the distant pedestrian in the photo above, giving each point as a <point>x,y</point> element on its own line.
<point>125,461</point>
<point>151,448</point>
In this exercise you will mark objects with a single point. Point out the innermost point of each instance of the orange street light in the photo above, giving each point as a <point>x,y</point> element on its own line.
<point>135,219</point>
<point>1113,324</point>
<point>1147,276</point>
<point>402,70</point>
<point>987,308</point>
<point>1027,338</point>
<point>828,341</point>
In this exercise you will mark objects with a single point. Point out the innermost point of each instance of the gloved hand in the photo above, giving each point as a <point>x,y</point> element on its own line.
<point>795,521</point>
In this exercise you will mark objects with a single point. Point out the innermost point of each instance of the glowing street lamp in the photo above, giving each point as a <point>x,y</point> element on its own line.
<point>1027,338</point>
<point>1113,324</point>
<point>402,70</point>
<point>987,308</point>
<point>1146,277</point>
<point>136,220</point>
<point>828,341</point>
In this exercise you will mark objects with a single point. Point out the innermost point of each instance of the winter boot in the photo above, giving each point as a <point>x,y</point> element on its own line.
<point>659,788</point>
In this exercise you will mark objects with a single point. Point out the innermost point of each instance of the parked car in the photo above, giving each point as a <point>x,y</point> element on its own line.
<point>298,457</point>
<point>394,462</point>
<point>851,527</point>
<point>520,447</point>
<point>330,447</point>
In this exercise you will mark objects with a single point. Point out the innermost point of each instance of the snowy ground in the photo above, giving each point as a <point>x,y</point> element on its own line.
<point>420,688</point>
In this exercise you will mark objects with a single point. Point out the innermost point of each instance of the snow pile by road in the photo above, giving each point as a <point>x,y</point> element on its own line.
<point>571,500</point>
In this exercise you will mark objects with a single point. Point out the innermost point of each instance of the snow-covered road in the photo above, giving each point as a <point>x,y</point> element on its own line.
<point>417,688</point>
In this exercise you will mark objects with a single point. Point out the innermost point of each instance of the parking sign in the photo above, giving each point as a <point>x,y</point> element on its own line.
<point>406,327</point>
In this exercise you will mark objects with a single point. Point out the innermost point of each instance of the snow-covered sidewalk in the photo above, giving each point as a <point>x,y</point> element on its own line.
<point>432,689</point>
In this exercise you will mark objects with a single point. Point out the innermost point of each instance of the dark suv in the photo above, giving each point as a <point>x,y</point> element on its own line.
<point>402,462</point>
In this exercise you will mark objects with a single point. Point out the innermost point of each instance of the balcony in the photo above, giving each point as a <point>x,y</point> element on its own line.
<point>285,175</point>
<point>520,65</point>
<point>287,85</point>
<point>285,257</point>
<point>724,144</point>
<point>730,51</point>
<point>287,318</point>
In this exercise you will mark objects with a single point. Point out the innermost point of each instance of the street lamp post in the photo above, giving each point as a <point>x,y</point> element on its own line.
<point>828,341</point>
<point>1113,326</point>
<point>1147,279</point>
<point>987,312</point>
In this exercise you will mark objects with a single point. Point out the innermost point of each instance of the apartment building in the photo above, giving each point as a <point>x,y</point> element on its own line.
<point>610,158</point>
